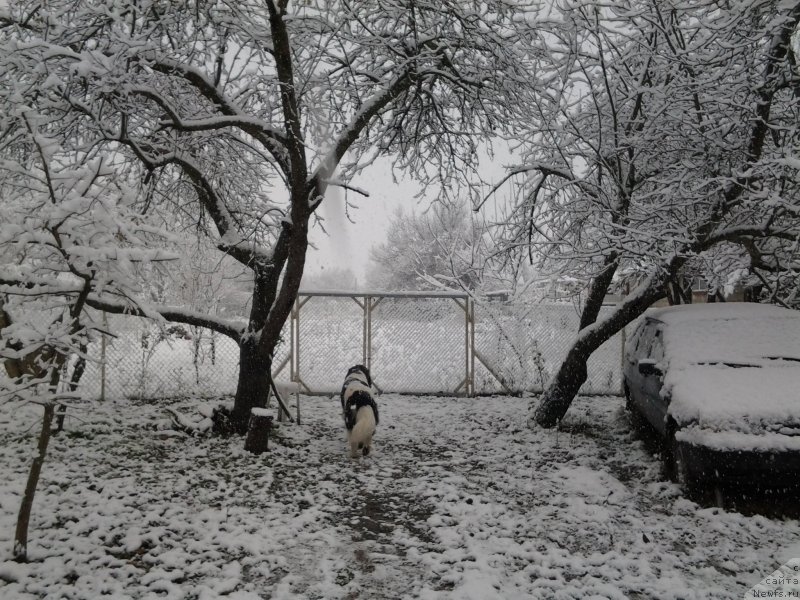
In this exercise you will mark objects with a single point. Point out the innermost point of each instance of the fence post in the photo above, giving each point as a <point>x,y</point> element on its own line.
<point>365,333</point>
<point>471,304</point>
<point>370,306</point>
<point>294,342</point>
<point>469,347</point>
<point>103,358</point>
<point>623,333</point>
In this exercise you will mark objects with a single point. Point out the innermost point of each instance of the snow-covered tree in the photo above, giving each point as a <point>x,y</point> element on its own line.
<point>70,234</point>
<point>442,248</point>
<point>663,133</point>
<point>242,114</point>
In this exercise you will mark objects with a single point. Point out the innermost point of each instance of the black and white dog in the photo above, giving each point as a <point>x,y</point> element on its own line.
<point>359,410</point>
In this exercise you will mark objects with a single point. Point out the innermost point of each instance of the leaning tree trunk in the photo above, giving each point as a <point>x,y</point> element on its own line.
<point>572,373</point>
<point>569,378</point>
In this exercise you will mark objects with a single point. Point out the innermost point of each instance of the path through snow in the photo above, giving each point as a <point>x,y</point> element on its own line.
<point>460,500</point>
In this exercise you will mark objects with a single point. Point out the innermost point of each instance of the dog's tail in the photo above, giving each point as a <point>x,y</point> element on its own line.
<point>363,430</point>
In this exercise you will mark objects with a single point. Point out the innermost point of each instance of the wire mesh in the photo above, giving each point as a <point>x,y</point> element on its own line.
<point>142,360</point>
<point>330,341</point>
<point>418,345</point>
<point>413,344</point>
<point>519,346</point>
<point>145,361</point>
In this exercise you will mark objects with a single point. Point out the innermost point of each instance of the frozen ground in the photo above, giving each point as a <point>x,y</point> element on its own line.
<point>459,501</point>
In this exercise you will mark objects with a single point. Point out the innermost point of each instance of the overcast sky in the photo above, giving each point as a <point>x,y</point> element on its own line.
<point>351,235</point>
<point>348,244</point>
<point>348,241</point>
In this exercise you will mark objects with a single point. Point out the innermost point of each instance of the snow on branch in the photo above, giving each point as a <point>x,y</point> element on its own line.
<point>168,313</point>
<point>371,108</point>
<point>741,233</point>
<point>346,186</point>
<point>545,169</point>
<point>272,139</point>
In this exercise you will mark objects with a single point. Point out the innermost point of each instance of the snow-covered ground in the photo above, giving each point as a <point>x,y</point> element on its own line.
<point>460,500</point>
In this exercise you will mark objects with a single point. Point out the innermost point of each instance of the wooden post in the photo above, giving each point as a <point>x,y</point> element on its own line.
<point>258,429</point>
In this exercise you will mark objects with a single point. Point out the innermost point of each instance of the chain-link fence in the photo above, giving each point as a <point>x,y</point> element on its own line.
<point>519,347</point>
<point>142,360</point>
<point>439,343</point>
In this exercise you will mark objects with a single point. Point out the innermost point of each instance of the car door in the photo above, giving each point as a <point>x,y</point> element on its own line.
<point>644,384</point>
<point>637,349</point>
<point>654,406</point>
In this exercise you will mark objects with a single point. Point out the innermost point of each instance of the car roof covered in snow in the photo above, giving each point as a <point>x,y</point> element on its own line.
<point>732,366</point>
<point>735,332</point>
<point>684,313</point>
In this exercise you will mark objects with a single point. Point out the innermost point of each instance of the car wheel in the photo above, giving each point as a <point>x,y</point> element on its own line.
<point>677,469</point>
<point>639,424</point>
<point>719,497</point>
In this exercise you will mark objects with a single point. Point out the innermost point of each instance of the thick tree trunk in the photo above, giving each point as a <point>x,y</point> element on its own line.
<point>255,367</point>
<point>271,308</point>
<point>258,430</point>
<point>572,373</point>
<point>20,552</point>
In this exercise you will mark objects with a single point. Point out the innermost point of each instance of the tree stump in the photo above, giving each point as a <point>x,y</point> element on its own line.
<point>258,431</point>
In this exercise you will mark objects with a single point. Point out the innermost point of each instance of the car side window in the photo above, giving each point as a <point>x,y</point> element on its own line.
<point>656,350</point>
<point>633,341</point>
<point>643,342</point>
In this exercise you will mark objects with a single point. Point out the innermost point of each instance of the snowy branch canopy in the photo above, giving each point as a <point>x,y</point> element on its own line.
<point>70,236</point>
<point>664,132</point>
<point>232,118</point>
<point>243,106</point>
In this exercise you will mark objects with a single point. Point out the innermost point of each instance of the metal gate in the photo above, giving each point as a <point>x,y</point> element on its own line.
<point>412,342</point>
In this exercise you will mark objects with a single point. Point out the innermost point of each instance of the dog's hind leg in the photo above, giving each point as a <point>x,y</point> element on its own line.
<point>355,449</point>
<point>361,447</point>
<point>364,447</point>
<point>361,435</point>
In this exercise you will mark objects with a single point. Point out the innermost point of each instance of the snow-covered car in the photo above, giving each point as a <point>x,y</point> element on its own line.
<point>720,384</point>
